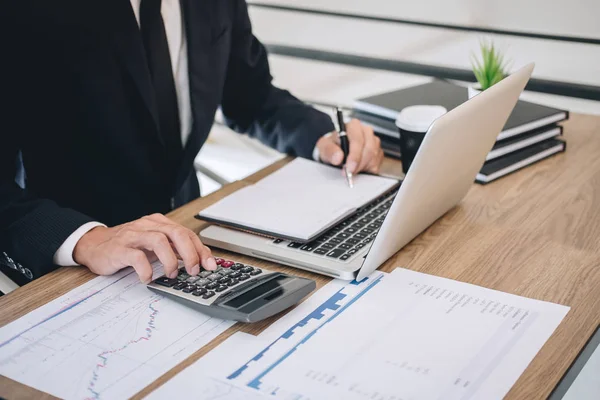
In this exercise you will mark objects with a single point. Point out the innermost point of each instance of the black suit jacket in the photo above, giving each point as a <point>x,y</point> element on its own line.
<point>82,113</point>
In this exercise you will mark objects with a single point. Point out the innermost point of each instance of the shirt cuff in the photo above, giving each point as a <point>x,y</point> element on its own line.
<point>315,154</point>
<point>64,255</point>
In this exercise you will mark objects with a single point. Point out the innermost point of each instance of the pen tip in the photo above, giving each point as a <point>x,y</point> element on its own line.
<point>349,178</point>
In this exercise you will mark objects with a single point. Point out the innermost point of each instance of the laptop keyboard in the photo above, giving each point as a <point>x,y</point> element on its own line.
<point>351,235</point>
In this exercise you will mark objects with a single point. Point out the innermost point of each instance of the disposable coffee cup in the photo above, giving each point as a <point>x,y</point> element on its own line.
<point>413,123</point>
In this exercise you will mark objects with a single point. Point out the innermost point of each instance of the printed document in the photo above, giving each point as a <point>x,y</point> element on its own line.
<point>405,335</point>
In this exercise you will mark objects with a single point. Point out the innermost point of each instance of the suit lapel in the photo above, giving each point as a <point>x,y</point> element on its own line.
<point>198,17</point>
<point>129,45</point>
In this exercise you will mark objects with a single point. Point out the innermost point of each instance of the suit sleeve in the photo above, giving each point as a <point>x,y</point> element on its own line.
<point>31,229</point>
<point>251,103</point>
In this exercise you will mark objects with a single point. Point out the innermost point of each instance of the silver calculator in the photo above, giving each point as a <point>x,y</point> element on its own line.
<point>235,291</point>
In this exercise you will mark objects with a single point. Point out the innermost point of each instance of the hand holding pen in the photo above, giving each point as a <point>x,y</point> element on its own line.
<point>363,151</point>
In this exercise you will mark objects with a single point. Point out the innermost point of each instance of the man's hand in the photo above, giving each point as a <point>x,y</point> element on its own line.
<point>365,149</point>
<point>107,250</point>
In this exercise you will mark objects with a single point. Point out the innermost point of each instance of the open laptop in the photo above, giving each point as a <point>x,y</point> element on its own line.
<point>444,168</point>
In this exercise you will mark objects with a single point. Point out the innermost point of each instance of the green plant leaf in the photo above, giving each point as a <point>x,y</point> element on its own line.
<point>492,67</point>
<point>477,70</point>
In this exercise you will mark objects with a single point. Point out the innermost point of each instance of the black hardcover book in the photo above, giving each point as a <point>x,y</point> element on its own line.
<point>525,117</point>
<point>512,162</point>
<point>523,140</point>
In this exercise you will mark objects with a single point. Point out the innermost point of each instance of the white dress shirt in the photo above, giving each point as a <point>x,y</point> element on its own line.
<point>177,40</point>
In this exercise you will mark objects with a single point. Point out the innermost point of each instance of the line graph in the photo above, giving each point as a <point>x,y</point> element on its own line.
<point>107,339</point>
<point>105,354</point>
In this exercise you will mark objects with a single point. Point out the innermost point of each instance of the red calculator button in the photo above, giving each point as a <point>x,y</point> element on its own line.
<point>219,261</point>
<point>227,264</point>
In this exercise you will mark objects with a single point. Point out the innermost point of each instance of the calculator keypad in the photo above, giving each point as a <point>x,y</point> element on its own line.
<point>207,284</point>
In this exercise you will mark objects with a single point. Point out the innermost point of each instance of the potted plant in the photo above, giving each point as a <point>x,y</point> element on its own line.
<point>488,71</point>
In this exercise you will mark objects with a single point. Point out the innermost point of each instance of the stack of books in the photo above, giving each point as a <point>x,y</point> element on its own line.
<point>531,133</point>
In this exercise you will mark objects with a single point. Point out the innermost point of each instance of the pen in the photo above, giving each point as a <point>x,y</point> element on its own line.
<point>344,144</point>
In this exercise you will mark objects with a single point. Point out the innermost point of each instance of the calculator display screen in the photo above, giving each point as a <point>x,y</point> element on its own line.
<point>259,291</point>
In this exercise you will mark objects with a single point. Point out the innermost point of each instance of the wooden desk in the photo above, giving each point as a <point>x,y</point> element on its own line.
<point>535,234</point>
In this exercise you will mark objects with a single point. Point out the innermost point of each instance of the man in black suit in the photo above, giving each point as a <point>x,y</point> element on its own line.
<point>109,103</point>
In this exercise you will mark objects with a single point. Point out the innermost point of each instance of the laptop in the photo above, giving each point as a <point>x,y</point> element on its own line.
<point>444,168</point>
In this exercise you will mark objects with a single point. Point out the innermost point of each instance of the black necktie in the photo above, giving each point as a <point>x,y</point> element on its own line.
<point>161,72</point>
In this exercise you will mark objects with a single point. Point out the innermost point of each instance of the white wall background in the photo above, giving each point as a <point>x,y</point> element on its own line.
<point>560,61</point>
<point>559,17</point>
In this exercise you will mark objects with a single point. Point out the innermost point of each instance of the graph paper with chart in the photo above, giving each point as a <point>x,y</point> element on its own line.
<point>107,339</point>
<point>400,336</point>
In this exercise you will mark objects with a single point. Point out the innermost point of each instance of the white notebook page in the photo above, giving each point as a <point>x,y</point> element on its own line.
<point>299,200</point>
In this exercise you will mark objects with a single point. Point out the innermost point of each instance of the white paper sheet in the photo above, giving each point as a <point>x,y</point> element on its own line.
<point>406,335</point>
<point>107,339</point>
<point>201,380</point>
<point>299,200</point>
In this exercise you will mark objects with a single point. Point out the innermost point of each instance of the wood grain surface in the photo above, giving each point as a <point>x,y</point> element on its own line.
<point>535,233</point>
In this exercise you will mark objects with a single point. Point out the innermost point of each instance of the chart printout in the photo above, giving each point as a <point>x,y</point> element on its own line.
<point>401,336</point>
<point>106,339</point>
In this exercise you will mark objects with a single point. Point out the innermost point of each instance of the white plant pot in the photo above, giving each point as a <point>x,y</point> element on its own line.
<point>473,90</point>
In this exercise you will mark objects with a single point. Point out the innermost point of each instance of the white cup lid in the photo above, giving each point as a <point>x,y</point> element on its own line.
<point>419,118</point>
